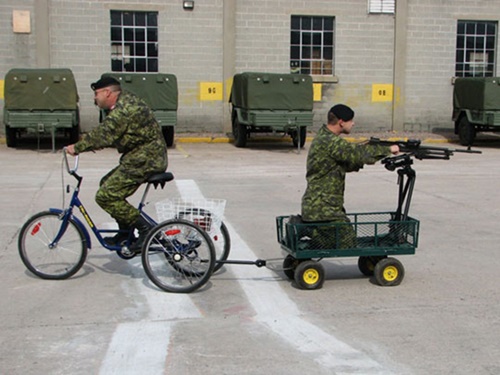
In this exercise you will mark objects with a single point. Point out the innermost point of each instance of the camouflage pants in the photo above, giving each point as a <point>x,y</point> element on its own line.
<point>114,188</point>
<point>334,235</point>
<point>337,233</point>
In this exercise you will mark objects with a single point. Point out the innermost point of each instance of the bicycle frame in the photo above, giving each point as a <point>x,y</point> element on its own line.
<point>67,214</point>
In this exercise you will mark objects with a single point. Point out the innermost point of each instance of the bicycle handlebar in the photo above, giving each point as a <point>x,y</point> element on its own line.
<point>66,162</point>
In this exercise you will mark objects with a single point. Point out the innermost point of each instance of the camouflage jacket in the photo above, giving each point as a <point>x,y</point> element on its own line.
<point>330,158</point>
<point>131,128</point>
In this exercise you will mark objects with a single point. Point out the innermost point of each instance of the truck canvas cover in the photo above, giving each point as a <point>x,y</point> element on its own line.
<point>40,89</point>
<point>272,91</point>
<point>159,90</point>
<point>477,93</point>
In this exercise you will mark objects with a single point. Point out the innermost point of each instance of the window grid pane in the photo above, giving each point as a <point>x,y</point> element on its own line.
<point>134,41</point>
<point>382,6</point>
<point>475,49</point>
<point>311,45</point>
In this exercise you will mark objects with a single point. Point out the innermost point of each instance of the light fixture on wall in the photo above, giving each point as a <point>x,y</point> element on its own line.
<point>188,4</point>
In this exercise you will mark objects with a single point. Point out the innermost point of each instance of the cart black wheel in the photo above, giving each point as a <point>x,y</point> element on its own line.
<point>289,266</point>
<point>466,132</point>
<point>389,272</point>
<point>309,275</point>
<point>303,135</point>
<point>367,264</point>
<point>239,133</point>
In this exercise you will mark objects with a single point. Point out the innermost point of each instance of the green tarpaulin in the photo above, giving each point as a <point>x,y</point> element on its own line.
<point>40,89</point>
<point>159,90</point>
<point>477,93</point>
<point>272,91</point>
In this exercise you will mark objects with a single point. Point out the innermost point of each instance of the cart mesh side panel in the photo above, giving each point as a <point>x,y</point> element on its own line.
<point>366,231</point>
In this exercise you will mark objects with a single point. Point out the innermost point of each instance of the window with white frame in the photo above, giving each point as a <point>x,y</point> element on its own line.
<point>134,41</point>
<point>312,45</point>
<point>382,6</point>
<point>476,48</point>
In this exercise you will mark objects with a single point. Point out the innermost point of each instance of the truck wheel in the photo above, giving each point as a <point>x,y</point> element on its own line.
<point>303,136</point>
<point>74,134</point>
<point>168,134</point>
<point>10,136</point>
<point>466,132</point>
<point>239,133</point>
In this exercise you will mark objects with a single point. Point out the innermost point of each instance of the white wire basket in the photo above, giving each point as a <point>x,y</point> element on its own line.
<point>207,213</point>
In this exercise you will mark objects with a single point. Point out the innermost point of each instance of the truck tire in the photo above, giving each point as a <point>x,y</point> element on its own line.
<point>74,134</point>
<point>303,135</point>
<point>10,136</point>
<point>168,134</point>
<point>239,133</point>
<point>466,132</point>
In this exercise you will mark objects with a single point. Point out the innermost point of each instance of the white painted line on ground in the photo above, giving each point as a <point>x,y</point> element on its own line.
<point>137,348</point>
<point>142,347</point>
<point>275,310</point>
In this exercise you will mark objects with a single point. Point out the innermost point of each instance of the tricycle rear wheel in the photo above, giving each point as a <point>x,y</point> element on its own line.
<point>389,272</point>
<point>309,275</point>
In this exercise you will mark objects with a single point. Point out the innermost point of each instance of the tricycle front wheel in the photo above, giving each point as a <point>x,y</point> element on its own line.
<point>43,255</point>
<point>389,272</point>
<point>309,274</point>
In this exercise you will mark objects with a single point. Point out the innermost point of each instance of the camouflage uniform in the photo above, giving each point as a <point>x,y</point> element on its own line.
<point>132,129</point>
<point>330,158</point>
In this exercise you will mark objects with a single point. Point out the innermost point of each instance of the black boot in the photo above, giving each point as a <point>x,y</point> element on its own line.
<point>119,237</point>
<point>143,226</point>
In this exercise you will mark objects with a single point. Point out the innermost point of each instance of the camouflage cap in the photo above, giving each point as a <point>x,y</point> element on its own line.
<point>104,82</point>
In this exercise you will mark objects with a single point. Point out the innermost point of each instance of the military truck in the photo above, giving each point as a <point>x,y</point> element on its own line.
<point>40,101</point>
<point>160,92</point>
<point>271,103</point>
<point>476,107</point>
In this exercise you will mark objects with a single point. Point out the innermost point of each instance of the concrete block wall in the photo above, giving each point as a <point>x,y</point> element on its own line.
<point>191,47</point>
<point>432,28</point>
<point>16,49</point>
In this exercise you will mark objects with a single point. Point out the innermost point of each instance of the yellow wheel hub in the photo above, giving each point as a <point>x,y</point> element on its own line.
<point>311,276</point>
<point>390,273</point>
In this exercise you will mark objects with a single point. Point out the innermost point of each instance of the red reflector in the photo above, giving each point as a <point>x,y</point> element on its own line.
<point>172,232</point>
<point>36,228</point>
<point>216,238</point>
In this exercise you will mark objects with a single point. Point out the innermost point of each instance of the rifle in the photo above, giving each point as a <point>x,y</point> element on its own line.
<point>414,147</point>
<point>406,174</point>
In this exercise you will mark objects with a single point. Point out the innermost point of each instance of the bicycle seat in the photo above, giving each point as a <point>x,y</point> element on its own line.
<point>160,179</point>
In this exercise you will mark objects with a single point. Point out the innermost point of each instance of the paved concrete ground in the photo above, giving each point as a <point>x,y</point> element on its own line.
<point>109,319</point>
